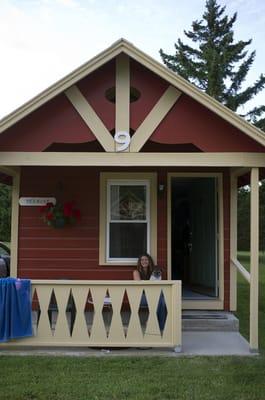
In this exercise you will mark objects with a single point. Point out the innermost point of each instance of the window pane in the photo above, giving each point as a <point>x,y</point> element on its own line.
<point>128,202</point>
<point>127,240</point>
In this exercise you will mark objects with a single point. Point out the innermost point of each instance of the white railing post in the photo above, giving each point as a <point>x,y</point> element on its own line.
<point>254,259</point>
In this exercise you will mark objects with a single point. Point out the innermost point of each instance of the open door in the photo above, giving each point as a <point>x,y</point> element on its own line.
<point>194,236</point>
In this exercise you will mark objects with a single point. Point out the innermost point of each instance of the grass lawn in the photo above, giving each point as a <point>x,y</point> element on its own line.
<point>243,300</point>
<point>29,378</point>
<point>195,378</point>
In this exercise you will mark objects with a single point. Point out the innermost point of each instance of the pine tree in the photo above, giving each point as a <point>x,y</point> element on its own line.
<point>217,64</point>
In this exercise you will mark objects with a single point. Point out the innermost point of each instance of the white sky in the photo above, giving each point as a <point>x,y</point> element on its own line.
<point>43,40</point>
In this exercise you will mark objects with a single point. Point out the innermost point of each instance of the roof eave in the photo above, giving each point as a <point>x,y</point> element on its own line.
<point>61,85</point>
<point>203,98</point>
<point>111,52</point>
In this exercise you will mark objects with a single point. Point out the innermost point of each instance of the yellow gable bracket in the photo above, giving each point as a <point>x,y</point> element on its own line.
<point>142,134</point>
<point>126,49</point>
<point>122,109</point>
<point>154,118</point>
<point>90,118</point>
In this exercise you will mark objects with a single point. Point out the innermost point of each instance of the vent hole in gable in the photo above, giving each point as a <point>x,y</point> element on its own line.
<point>110,94</point>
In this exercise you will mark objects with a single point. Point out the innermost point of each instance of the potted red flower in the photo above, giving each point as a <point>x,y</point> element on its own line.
<point>60,214</point>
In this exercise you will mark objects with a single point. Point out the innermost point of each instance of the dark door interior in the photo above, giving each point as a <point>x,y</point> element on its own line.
<point>194,235</point>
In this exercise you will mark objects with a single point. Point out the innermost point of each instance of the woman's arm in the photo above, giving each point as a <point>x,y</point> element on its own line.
<point>136,275</point>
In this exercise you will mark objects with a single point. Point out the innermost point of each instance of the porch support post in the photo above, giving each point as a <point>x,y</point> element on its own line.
<point>14,224</point>
<point>254,258</point>
<point>233,242</point>
<point>11,171</point>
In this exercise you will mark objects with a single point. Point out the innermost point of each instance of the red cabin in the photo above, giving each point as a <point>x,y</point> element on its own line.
<point>150,162</point>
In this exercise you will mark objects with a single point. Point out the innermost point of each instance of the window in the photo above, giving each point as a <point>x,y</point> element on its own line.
<point>128,216</point>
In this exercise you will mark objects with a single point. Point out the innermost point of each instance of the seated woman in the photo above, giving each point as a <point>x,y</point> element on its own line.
<point>143,271</point>
<point>145,266</point>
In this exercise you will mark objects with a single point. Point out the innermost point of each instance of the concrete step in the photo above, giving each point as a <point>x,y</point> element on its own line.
<point>218,321</point>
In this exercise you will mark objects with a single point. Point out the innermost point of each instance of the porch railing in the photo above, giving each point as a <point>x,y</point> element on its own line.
<point>105,314</point>
<point>251,277</point>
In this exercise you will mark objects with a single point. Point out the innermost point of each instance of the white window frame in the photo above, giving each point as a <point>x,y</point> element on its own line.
<point>126,182</point>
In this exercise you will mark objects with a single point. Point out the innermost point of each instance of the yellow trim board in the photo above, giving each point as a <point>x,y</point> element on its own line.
<point>254,260</point>
<point>14,225</point>
<point>220,300</point>
<point>58,87</point>
<point>191,90</point>
<point>90,117</point>
<point>122,104</point>
<point>104,178</point>
<point>233,241</point>
<point>11,171</point>
<point>123,46</point>
<point>154,118</point>
<point>132,159</point>
<point>14,172</point>
<point>202,305</point>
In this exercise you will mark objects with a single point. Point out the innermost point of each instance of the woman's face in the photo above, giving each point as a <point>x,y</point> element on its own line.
<point>144,262</point>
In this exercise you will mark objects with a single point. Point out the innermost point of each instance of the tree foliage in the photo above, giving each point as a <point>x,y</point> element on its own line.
<point>244,218</point>
<point>243,221</point>
<point>262,216</point>
<point>218,64</point>
<point>5,212</point>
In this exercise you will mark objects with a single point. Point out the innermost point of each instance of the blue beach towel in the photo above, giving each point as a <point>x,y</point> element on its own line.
<point>15,309</point>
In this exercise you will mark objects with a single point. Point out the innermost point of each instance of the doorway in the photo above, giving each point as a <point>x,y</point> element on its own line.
<point>194,238</point>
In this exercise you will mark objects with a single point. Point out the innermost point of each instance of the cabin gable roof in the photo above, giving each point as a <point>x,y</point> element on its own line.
<point>174,80</point>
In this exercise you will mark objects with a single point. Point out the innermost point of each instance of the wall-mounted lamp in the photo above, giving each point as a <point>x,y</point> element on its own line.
<point>161,188</point>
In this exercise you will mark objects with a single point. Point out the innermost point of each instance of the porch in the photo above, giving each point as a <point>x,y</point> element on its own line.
<point>91,318</point>
<point>100,314</point>
<point>118,326</point>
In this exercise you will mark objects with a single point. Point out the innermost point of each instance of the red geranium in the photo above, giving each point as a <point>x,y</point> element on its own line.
<point>49,216</point>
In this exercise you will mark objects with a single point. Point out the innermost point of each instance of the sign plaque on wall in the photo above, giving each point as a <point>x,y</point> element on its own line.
<point>36,201</point>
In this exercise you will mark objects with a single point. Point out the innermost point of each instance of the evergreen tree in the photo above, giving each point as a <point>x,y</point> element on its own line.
<point>217,64</point>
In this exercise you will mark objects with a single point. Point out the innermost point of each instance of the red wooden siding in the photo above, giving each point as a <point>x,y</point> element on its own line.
<point>56,121</point>
<point>188,126</point>
<point>188,122</point>
<point>151,88</point>
<point>94,87</point>
<point>73,252</point>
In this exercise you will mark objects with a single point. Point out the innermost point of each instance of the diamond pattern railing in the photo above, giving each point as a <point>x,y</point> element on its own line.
<point>106,313</point>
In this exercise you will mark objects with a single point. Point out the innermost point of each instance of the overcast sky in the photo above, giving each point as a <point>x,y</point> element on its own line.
<point>43,40</point>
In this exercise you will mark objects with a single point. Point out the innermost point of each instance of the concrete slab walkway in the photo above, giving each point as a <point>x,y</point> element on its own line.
<point>215,344</point>
<point>194,344</point>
